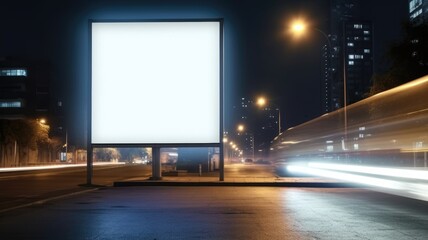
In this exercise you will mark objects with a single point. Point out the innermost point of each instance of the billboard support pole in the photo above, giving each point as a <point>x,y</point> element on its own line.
<point>156,164</point>
<point>89,165</point>
<point>221,163</point>
<point>221,145</point>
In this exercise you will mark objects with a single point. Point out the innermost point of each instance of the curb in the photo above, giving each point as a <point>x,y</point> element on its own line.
<point>234,184</point>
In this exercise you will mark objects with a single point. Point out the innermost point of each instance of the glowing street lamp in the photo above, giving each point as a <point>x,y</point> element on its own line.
<point>298,27</point>
<point>42,121</point>
<point>240,128</point>
<point>261,101</point>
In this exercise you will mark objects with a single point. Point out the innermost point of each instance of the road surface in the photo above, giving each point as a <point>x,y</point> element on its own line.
<point>221,213</point>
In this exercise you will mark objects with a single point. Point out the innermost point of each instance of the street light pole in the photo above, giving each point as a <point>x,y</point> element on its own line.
<point>345,95</point>
<point>299,27</point>
<point>345,100</point>
<point>279,121</point>
<point>252,146</point>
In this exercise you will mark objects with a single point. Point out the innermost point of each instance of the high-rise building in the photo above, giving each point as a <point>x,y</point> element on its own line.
<point>358,59</point>
<point>24,88</point>
<point>25,93</point>
<point>349,55</point>
<point>418,11</point>
<point>266,130</point>
<point>244,138</point>
<point>260,127</point>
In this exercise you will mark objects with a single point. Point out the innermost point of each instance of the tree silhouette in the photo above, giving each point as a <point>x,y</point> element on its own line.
<point>408,58</point>
<point>27,133</point>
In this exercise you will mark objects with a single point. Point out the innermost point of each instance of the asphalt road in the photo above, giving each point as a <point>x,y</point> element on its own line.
<point>20,188</point>
<point>221,213</point>
<point>242,170</point>
<point>26,187</point>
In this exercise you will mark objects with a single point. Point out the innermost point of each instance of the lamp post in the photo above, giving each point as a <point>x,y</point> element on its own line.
<point>298,28</point>
<point>225,153</point>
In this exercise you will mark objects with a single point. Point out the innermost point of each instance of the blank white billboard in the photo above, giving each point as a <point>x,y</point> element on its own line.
<point>155,82</point>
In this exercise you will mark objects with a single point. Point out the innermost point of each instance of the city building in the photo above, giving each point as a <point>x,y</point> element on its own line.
<point>418,18</point>
<point>25,93</point>
<point>418,11</point>
<point>267,126</point>
<point>358,59</point>
<point>24,89</point>
<point>348,55</point>
<point>259,127</point>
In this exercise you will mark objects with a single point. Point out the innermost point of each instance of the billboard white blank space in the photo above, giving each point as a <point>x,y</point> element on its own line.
<point>155,82</point>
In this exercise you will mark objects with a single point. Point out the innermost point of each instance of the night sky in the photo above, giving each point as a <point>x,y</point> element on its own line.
<point>259,58</point>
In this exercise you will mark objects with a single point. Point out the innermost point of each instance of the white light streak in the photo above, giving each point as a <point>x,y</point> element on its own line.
<point>390,172</point>
<point>346,177</point>
<point>17,169</point>
<point>406,189</point>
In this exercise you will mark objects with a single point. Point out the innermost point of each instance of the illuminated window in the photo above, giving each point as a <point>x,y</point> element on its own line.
<point>366,38</point>
<point>350,44</point>
<point>351,62</point>
<point>358,56</point>
<point>10,104</point>
<point>414,4</point>
<point>358,26</point>
<point>351,56</point>
<point>366,50</point>
<point>13,72</point>
<point>415,14</point>
<point>366,32</point>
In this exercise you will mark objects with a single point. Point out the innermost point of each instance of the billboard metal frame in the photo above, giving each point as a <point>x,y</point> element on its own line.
<point>156,146</point>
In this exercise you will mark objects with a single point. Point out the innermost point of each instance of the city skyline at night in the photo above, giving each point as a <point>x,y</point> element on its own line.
<point>259,57</point>
<point>214,119</point>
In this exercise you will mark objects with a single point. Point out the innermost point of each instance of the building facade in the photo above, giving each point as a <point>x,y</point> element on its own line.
<point>260,126</point>
<point>25,98</point>
<point>24,90</point>
<point>418,11</point>
<point>347,58</point>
